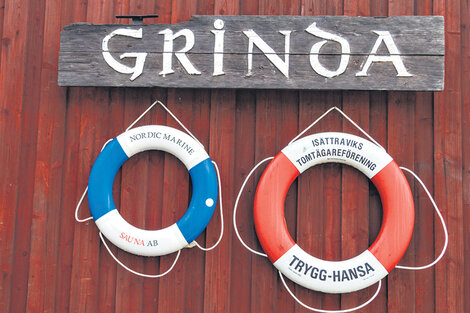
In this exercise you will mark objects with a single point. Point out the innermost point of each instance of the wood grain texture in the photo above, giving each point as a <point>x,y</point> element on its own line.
<point>420,42</point>
<point>29,127</point>
<point>48,178</point>
<point>465,102</point>
<point>51,135</point>
<point>448,173</point>
<point>14,37</point>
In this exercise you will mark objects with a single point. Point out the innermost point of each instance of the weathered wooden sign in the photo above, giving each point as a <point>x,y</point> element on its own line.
<point>287,52</point>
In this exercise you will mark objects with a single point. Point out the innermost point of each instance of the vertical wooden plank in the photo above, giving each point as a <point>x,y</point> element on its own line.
<point>249,7</point>
<point>276,125</point>
<point>71,189</point>
<point>163,9</point>
<point>226,7</point>
<point>424,163</point>
<point>107,279</point>
<point>48,175</point>
<point>71,193</point>
<point>241,268</point>
<point>357,8</point>
<point>378,130</point>
<point>448,175</point>
<point>182,10</point>
<point>379,8</point>
<point>27,156</point>
<point>206,7</point>
<point>401,111</point>
<point>400,7</point>
<point>217,283</point>
<point>289,105</point>
<point>122,7</point>
<point>94,117</point>
<point>11,87</point>
<point>2,17</point>
<point>241,259</point>
<point>133,206</point>
<point>448,165</point>
<point>424,225</point>
<point>355,185</point>
<point>86,254</point>
<point>465,101</point>
<point>222,144</point>
<point>198,119</point>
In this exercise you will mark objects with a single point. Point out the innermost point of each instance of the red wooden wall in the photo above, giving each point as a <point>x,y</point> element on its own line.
<point>50,136</point>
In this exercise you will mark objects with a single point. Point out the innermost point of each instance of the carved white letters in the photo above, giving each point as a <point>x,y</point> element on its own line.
<point>315,62</point>
<point>218,48</point>
<point>180,55</point>
<point>255,39</point>
<point>394,57</point>
<point>139,56</point>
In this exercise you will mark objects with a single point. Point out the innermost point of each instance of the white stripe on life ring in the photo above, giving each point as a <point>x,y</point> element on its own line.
<point>330,276</point>
<point>140,241</point>
<point>158,137</point>
<point>340,148</point>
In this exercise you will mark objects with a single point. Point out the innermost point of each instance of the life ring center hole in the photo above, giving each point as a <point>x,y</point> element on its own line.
<point>333,211</point>
<point>152,190</point>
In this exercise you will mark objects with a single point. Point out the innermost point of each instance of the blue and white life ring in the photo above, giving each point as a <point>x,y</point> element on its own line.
<point>152,242</point>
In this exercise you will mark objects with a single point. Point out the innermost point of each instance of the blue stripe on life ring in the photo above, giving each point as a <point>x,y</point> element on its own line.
<point>205,188</point>
<point>100,183</point>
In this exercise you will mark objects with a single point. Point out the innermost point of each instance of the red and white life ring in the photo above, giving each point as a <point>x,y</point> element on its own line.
<point>334,276</point>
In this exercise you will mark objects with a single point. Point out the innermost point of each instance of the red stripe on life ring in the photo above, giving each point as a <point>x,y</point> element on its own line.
<point>270,224</point>
<point>398,216</point>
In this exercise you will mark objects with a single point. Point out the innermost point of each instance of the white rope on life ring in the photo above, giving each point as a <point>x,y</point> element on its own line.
<point>306,270</point>
<point>152,242</point>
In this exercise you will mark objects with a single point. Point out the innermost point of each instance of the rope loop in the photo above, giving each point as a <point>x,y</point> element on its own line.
<point>345,116</point>
<point>380,282</point>
<point>444,227</point>
<point>329,311</point>
<point>194,243</point>
<point>133,271</point>
<point>236,206</point>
